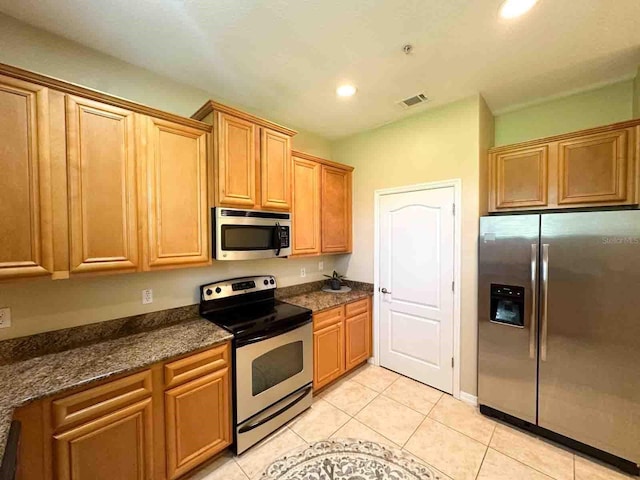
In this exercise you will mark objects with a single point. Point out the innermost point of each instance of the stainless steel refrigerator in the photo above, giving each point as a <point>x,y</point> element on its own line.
<point>559,328</point>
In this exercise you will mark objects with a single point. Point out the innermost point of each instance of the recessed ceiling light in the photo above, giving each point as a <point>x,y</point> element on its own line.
<point>515,8</point>
<point>346,91</point>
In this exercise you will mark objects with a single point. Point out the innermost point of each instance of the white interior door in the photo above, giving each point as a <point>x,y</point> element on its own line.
<point>416,269</point>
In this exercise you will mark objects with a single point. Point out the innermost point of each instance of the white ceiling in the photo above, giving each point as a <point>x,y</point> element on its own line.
<point>286,57</point>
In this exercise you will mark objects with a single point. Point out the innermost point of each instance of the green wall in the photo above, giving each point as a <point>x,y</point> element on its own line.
<point>601,106</point>
<point>636,95</point>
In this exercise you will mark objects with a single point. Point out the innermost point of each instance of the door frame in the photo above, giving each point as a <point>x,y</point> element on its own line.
<point>456,183</point>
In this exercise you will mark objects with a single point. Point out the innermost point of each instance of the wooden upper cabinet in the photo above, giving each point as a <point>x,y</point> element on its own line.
<point>520,178</point>
<point>336,210</point>
<point>590,168</point>
<point>306,207</point>
<point>252,161</point>
<point>237,141</point>
<point>116,445</point>
<point>102,187</point>
<point>596,168</point>
<point>275,170</point>
<point>26,247</point>
<point>175,199</point>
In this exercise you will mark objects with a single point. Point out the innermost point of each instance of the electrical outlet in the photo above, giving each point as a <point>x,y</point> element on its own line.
<point>303,272</point>
<point>320,266</point>
<point>147,296</point>
<point>5,317</point>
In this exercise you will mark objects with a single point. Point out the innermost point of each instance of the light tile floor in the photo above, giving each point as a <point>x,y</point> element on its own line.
<point>375,404</point>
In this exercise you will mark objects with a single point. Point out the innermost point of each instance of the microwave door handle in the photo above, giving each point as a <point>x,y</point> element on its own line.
<point>278,239</point>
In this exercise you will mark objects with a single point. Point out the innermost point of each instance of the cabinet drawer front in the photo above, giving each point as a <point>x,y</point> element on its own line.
<point>196,365</point>
<point>356,308</point>
<point>328,317</point>
<point>94,402</point>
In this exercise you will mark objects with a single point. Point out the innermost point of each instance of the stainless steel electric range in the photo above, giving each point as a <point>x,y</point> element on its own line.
<point>272,354</point>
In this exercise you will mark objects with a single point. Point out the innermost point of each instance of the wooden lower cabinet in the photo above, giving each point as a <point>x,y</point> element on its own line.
<point>134,427</point>
<point>328,355</point>
<point>357,332</point>
<point>116,445</point>
<point>341,341</point>
<point>198,423</point>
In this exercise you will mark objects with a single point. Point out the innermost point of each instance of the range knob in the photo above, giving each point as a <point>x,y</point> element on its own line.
<point>208,291</point>
<point>272,281</point>
<point>218,289</point>
<point>266,282</point>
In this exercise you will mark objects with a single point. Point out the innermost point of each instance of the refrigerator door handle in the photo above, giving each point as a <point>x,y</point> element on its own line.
<point>545,301</point>
<point>534,301</point>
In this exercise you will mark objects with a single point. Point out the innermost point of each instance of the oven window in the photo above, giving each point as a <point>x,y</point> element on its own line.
<point>276,366</point>
<point>248,237</point>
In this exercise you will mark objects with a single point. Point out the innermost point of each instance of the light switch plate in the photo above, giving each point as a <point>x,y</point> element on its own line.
<point>320,266</point>
<point>147,296</point>
<point>303,272</point>
<point>5,317</point>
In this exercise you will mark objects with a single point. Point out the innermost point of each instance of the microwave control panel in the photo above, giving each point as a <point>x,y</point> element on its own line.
<point>284,236</point>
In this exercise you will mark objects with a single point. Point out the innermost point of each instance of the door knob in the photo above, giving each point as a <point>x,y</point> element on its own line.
<point>385,291</point>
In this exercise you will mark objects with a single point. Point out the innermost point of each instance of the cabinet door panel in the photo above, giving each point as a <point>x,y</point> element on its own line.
<point>118,445</point>
<point>26,247</point>
<point>275,170</point>
<point>357,339</point>
<point>197,421</point>
<point>520,178</point>
<point>595,169</point>
<point>336,210</point>
<point>236,162</point>
<point>328,353</point>
<point>177,207</point>
<point>102,187</point>
<point>306,207</point>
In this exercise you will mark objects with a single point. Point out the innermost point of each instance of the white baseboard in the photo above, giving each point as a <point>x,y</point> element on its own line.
<point>468,398</point>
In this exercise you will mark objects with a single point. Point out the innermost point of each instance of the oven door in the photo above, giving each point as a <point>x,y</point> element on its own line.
<point>269,370</point>
<point>251,234</point>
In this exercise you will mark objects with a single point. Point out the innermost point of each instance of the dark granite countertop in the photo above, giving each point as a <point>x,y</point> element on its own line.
<point>30,379</point>
<point>319,300</point>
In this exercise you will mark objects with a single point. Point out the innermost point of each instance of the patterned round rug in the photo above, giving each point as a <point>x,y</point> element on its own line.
<point>347,460</point>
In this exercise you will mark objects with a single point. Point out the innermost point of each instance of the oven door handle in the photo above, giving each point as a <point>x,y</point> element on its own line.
<point>242,342</point>
<point>278,239</point>
<point>298,398</point>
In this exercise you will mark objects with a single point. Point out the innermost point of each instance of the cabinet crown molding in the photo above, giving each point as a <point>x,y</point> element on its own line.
<point>74,89</point>
<point>565,136</point>
<point>212,105</point>
<point>329,163</point>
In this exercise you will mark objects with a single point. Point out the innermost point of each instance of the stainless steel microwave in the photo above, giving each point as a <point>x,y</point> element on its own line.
<point>250,234</point>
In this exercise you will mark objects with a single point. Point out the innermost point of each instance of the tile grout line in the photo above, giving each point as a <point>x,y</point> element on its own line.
<point>554,477</point>
<point>485,452</point>
<point>462,433</point>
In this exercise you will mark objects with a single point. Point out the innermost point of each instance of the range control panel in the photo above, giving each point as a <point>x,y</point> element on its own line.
<point>236,286</point>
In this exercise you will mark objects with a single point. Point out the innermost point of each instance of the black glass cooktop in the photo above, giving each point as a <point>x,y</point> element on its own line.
<point>257,321</point>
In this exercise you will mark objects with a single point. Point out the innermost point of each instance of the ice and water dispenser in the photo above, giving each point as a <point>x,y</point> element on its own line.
<point>507,305</point>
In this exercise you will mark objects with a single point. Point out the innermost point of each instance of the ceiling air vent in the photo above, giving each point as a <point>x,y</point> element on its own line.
<point>413,101</point>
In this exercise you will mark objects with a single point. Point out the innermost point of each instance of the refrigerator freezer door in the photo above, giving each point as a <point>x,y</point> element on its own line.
<point>589,375</point>
<point>507,344</point>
